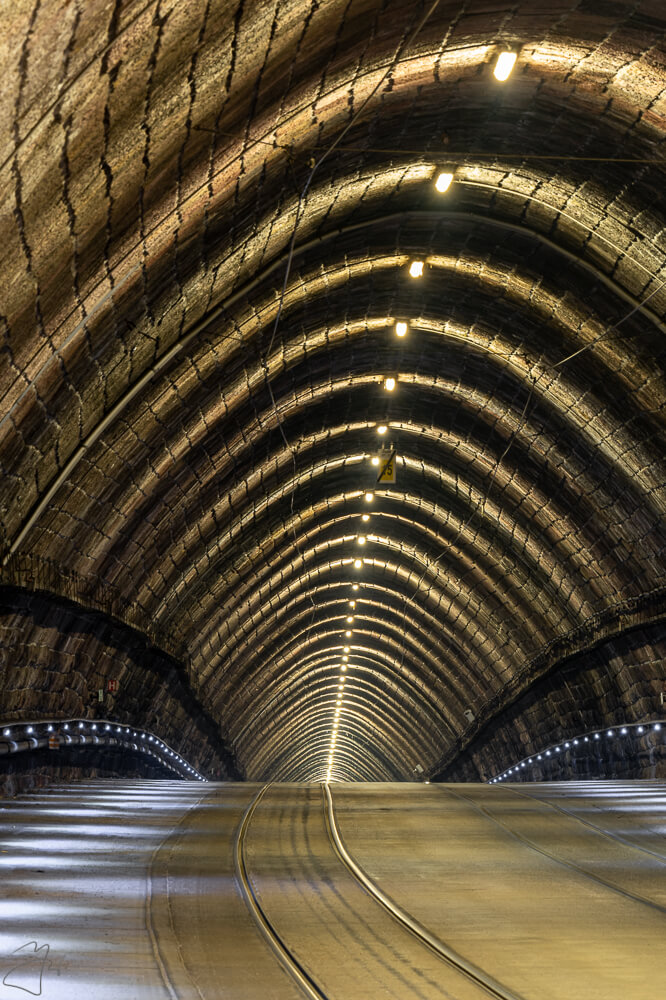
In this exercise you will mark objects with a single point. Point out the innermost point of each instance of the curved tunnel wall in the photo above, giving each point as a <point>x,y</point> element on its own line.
<point>212,212</point>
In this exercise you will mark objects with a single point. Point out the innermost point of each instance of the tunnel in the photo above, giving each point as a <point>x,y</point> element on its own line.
<point>332,571</point>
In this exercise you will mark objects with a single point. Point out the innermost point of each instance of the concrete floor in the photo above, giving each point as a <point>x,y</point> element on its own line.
<point>136,890</point>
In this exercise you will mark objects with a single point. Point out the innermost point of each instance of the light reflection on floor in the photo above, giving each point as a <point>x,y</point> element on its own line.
<point>77,884</point>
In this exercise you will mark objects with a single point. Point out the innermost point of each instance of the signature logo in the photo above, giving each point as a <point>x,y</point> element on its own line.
<point>28,969</point>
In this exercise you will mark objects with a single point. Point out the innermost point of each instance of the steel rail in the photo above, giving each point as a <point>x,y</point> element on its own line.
<point>472,972</point>
<point>607,834</point>
<point>571,865</point>
<point>286,958</point>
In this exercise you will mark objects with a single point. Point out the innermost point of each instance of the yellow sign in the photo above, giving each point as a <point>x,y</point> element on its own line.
<point>387,473</point>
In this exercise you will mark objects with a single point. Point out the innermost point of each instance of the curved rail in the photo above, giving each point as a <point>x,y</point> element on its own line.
<point>607,834</point>
<point>571,865</point>
<point>472,972</point>
<point>286,958</point>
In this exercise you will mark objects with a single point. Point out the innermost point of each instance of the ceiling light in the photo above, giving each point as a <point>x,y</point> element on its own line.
<point>343,667</point>
<point>340,687</point>
<point>416,269</point>
<point>504,65</point>
<point>401,326</point>
<point>348,633</point>
<point>350,619</point>
<point>357,563</point>
<point>345,659</point>
<point>345,649</point>
<point>389,385</point>
<point>369,497</point>
<point>361,539</point>
<point>443,182</point>
<point>375,459</point>
<point>352,604</point>
<point>382,429</point>
<point>355,586</point>
<point>365,517</point>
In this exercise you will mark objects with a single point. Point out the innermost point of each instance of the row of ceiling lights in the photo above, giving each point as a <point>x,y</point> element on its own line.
<point>443,181</point>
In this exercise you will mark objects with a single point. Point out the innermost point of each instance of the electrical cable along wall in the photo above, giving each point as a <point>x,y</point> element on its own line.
<point>249,257</point>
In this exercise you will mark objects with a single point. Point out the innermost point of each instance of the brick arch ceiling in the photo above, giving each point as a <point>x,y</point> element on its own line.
<point>210,210</point>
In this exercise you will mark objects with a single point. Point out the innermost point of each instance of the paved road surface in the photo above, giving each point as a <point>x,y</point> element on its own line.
<point>166,890</point>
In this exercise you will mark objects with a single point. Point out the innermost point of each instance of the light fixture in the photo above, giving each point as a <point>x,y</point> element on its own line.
<point>365,517</point>
<point>375,459</point>
<point>505,63</point>
<point>345,649</point>
<point>401,327</point>
<point>361,539</point>
<point>382,429</point>
<point>416,269</point>
<point>348,633</point>
<point>350,619</point>
<point>443,182</point>
<point>369,497</point>
<point>352,604</point>
<point>355,586</point>
<point>345,659</point>
<point>343,667</point>
<point>389,384</point>
<point>357,563</point>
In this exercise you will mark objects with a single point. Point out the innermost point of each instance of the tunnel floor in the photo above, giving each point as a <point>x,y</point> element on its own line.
<point>169,890</point>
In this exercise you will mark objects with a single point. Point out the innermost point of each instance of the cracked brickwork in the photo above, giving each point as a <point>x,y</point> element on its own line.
<point>186,428</point>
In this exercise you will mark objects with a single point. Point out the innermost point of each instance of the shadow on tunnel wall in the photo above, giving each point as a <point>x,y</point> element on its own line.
<point>31,771</point>
<point>618,682</point>
<point>56,655</point>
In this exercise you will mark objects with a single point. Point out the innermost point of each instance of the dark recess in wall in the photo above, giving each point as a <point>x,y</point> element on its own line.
<point>618,681</point>
<point>155,693</point>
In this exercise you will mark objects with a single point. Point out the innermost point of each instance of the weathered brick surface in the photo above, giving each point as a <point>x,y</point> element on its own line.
<point>618,682</point>
<point>185,428</point>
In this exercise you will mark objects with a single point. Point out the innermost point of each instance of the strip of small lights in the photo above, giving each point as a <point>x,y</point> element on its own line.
<point>22,737</point>
<point>340,691</point>
<point>589,739</point>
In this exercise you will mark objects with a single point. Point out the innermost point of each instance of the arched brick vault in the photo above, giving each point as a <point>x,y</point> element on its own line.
<point>185,446</point>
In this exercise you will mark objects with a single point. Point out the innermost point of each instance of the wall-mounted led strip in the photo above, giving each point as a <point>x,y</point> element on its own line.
<point>555,751</point>
<point>44,734</point>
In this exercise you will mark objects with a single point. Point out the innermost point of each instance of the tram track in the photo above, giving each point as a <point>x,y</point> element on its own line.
<point>601,831</point>
<point>455,961</point>
<point>278,946</point>
<point>570,865</point>
<point>482,983</point>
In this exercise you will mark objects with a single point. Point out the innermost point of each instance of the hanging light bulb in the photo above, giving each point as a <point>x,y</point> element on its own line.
<point>504,65</point>
<point>443,181</point>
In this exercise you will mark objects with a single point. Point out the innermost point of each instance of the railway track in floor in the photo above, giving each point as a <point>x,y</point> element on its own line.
<point>580,870</point>
<point>482,983</point>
